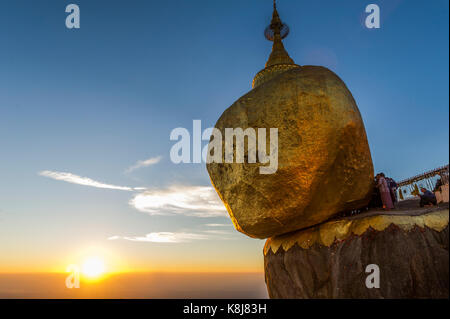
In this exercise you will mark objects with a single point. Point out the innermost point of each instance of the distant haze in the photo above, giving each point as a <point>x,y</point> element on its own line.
<point>137,285</point>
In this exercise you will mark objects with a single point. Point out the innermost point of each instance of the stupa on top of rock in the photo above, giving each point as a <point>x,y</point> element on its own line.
<point>279,60</point>
<point>324,162</point>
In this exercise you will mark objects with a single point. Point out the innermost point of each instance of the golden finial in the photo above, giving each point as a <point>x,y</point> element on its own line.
<point>279,60</point>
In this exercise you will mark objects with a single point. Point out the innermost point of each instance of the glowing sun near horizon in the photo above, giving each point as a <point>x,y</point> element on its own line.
<point>93,267</point>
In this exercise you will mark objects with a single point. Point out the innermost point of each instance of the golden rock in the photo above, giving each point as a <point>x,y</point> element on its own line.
<point>324,161</point>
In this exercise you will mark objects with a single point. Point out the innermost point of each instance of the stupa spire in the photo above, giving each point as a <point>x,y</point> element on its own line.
<point>279,54</point>
<point>279,60</point>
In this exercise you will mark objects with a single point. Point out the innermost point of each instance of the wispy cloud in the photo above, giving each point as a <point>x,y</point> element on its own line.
<point>144,163</point>
<point>218,225</point>
<point>163,237</point>
<point>199,201</point>
<point>75,179</point>
<point>218,232</point>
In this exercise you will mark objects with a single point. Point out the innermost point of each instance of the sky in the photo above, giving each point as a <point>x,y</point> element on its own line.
<point>86,115</point>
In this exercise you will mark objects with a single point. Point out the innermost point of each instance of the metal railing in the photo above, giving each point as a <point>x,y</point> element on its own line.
<point>442,171</point>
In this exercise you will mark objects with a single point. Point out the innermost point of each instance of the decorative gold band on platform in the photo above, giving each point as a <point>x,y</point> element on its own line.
<point>326,234</point>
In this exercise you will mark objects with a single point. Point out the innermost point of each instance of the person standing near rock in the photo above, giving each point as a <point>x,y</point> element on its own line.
<point>393,189</point>
<point>384,192</point>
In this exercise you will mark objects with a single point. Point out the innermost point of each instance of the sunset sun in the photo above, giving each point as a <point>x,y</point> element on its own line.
<point>93,267</point>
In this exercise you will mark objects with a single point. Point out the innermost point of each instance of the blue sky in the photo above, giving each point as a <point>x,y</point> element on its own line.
<point>97,100</point>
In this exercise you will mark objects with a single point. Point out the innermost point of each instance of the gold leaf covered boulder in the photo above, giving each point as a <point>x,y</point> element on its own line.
<point>324,163</point>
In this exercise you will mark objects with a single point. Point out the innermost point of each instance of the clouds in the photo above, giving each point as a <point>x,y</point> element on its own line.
<point>75,179</point>
<point>177,237</point>
<point>80,180</point>
<point>198,201</point>
<point>217,232</point>
<point>218,225</point>
<point>164,237</point>
<point>144,163</point>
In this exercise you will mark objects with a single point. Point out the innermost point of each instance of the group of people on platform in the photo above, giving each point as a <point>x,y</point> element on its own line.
<point>385,194</point>
<point>387,191</point>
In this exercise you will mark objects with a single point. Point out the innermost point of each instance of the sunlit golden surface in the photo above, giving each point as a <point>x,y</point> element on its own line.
<point>324,161</point>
